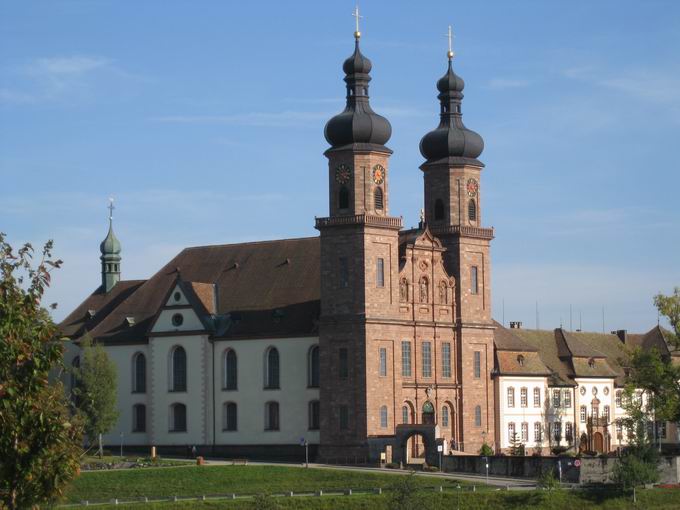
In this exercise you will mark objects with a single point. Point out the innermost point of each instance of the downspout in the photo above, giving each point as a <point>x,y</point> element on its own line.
<point>213,394</point>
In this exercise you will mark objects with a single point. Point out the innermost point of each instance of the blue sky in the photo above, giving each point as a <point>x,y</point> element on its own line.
<point>204,119</point>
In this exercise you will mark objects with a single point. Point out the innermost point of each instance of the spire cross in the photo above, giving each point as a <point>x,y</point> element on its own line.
<point>449,35</point>
<point>356,15</point>
<point>110,208</point>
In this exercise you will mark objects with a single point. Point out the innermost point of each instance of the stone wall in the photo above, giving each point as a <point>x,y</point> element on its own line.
<point>521,467</point>
<point>599,470</point>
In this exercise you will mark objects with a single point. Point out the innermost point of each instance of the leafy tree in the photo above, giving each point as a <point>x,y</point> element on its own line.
<point>486,450</point>
<point>669,307</point>
<point>404,493</point>
<point>39,440</point>
<point>96,391</point>
<point>638,464</point>
<point>516,446</point>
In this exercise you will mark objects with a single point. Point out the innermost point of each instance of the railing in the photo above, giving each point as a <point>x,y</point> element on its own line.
<point>360,219</point>
<point>480,232</point>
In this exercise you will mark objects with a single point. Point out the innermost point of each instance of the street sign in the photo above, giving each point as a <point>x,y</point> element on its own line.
<point>302,441</point>
<point>577,463</point>
<point>440,448</point>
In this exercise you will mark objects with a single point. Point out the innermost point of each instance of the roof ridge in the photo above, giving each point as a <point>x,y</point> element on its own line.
<point>249,243</point>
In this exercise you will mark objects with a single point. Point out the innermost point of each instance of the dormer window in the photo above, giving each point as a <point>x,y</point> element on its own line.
<point>591,363</point>
<point>90,314</point>
<point>520,360</point>
<point>129,321</point>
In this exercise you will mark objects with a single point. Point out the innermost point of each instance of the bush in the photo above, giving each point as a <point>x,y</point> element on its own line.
<point>632,470</point>
<point>559,450</point>
<point>486,450</point>
<point>430,469</point>
<point>404,493</point>
<point>548,481</point>
<point>392,465</point>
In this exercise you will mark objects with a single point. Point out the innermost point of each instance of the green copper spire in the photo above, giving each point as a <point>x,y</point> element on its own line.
<point>110,248</point>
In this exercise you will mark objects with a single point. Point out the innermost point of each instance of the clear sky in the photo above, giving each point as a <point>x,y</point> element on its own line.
<point>204,119</point>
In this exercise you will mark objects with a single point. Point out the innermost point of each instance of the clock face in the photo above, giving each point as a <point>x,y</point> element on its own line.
<point>472,187</point>
<point>343,174</point>
<point>378,174</point>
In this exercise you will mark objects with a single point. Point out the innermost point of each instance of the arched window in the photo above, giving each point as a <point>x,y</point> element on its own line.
<point>179,369</point>
<point>178,418</point>
<point>378,199</point>
<point>271,416</point>
<point>405,411</point>
<point>428,413</point>
<point>314,415</point>
<point>445,416</point>
<point>403,290</point>
<point>139,373</point>
<point>230,378</point>
<point>438,210</point>
<point>139,418</point>
<point>229,416</point>
<point>343,198</point>
<point>472,210</point>
<point>478,416</point>
<point>272,369</point>
<point>443,293</point>
<point>424,290</point>
<point>383,417</point>
<point>313,367</point>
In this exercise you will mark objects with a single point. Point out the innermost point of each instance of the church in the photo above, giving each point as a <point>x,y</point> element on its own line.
<point>360,338</point>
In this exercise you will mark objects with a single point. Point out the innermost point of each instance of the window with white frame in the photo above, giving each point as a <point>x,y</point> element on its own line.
<point>523,397</point>
<point>511,397</point>
<point>537,397</point>
<point>569,431</point>
<point>538,431</point>
<point>525,432</point>
<point>405,412</point>
<point>583,413</point>
<point>511,431</point>
<point>661,429</point>
<point>557,429</point>
<point>557,400</point>
<point>566,398</point>
<point>619,394</point>
<point>606,413</point>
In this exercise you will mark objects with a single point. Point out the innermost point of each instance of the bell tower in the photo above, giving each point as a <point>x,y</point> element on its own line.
<point>359,263</point>
<point>110,249</point>
<point>453,191</point>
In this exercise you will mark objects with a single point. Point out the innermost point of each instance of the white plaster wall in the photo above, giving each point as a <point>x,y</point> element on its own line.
<point>293,396</point>
<point>519,414</point>
<point>161,397</point>
<point>164,321</point>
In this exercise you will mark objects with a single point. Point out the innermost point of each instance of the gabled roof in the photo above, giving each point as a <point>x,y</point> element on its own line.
<point>252,278</point>
<point>101,303</point>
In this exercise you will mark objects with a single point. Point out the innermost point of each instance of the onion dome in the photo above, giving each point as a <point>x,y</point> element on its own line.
<point>110,245</point>
<point>451,139</point>
<point>358,123</point>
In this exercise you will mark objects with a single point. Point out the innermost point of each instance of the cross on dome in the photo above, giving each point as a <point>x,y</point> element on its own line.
<point>356,15</point>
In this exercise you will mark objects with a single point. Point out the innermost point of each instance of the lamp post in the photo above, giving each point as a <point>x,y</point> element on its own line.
<point>121,446</point>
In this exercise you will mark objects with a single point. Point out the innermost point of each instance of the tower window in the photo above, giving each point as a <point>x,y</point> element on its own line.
<point>439,210</point>
<point>380,272</point>
<point>378,199</point>
<point>474,280</point>
<point>343,198</point>
<point>472,210</point>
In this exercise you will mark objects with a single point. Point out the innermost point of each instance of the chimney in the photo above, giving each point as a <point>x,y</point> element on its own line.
<point>622,334</point>
<point>515,325</point>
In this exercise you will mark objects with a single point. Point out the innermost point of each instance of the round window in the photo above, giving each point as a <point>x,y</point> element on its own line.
<point>594,390</point>
<point>606,390</point>
<point>583,390</point>
<point>177,296</point>
<point>177,319</point>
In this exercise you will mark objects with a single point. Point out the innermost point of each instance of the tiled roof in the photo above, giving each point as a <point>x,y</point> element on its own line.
<point>520,363</point>
<point>252,279</point>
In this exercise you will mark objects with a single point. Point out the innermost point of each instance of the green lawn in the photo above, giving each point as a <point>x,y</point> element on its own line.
<point>196,481</point>
<point>658,499</point>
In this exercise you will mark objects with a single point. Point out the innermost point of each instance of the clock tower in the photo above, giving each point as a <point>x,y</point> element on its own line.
<point>359,263</point>
<point>453,198</point>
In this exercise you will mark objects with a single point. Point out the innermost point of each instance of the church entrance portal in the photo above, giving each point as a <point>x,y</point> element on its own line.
<point>416,443</point>
<point>598,442</point>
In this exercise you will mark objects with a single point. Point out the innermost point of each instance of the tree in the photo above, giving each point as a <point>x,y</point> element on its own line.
<point>486,450</point>
<point>516,447</point>
<point>96,391</point>
<point>669,307</point>
<point>39,440</point>
<point>404,493</point>
<point>638,464</point>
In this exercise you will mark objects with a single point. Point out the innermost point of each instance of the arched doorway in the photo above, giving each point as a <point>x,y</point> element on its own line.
<point>428,413</point>
<point>598,442</point>
<point>414,449</point>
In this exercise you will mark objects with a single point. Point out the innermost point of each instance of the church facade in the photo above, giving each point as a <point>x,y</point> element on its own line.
<point>341,340</point>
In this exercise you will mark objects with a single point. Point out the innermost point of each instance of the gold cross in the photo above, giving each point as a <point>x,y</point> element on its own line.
<point>356,15</point>
<point>450,53</point>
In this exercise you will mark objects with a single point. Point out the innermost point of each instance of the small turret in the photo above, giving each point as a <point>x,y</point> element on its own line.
<point>110,249</point>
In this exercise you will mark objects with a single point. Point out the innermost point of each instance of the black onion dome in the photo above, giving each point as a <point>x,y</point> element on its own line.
<point>451,139</point>
<point>358,123</point>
